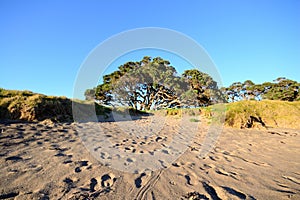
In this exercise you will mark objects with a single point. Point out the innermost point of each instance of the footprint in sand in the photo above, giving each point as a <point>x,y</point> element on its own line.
<point>225,173</point>
<point>80,164</point>
<point>176,164</point>
<point>138,181</point>
<point>222,172</point>
<point>293,179</point>
<point>207,166</point>
<point>158,139</point>
<point>234,192</point>
<point>191,178</point>
<point>68,185</point>
<point>129,161</point>
<point>14,158</point>
<point>93,183</point>
<point>60,154</point>
<point>211,191</point>
<point>77,169</point>
<point>227,158</point>
<point>107,180</point>
<point>9,195</point>
<point>195,195</point>
<point>188,179</point>
<point>214,158</point>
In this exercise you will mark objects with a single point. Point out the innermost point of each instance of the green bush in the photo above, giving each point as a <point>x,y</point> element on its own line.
<point>194,120</point>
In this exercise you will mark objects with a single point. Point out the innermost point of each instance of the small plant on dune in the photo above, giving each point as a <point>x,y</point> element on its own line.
<point>191,111</point>
<point>174,112</point>
<point>194,120</point>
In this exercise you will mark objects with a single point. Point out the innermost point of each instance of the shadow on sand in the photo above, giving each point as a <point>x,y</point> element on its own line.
<point>115,116</point>
<point>98,113</point>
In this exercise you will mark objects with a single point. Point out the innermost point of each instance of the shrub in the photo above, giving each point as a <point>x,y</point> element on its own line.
<point>194,120</point>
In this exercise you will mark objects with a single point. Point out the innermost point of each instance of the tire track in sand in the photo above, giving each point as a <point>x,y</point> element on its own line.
<point>150,184</point>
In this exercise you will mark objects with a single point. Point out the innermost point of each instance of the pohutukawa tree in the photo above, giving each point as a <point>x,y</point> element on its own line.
<point>283,89</point>
<point>203,88</point>
<point>154,84</point>
<point>240,91</point>
<point>280,89</point>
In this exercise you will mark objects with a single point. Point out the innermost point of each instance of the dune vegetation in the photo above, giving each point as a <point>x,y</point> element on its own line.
<point>29,106</point>
<point>266,113</point>
<point>246,114</point>
<point>256,114</point>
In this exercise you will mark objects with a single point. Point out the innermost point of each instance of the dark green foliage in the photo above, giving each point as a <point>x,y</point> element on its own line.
<point>154,84</point>
<point>151,84</point>
<point>102,110</point>
<point>280,89</point>
<point>29,106</point>
<point>89,94</point>
<point>204,88</point>
<point>283,89</point>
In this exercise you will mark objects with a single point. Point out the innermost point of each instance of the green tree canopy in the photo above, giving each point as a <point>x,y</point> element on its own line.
<point>202,87</point>
<point>283,89</point>
<point>280,89</point>
<point>154,84</point>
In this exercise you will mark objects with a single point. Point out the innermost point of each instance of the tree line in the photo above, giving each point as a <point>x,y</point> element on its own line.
<point>280,89</point>
<point>155,84</point>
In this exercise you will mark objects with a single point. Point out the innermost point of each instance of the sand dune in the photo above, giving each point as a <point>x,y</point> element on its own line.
<point>60,161</point>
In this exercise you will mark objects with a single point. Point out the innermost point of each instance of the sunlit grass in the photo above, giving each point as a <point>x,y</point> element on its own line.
<point>30,106</point>
<point>272,113</point>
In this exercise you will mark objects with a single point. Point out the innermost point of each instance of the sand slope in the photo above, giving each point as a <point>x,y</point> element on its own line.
<point>49,161</point>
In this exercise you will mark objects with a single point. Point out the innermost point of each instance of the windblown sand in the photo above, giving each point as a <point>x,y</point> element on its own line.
<point>53,161</point>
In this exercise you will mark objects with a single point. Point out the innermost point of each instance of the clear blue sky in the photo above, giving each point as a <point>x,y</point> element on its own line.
<point>43,43</point>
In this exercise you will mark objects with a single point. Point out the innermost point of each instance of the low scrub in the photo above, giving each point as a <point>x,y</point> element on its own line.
<point>180,112</point>
<point>29,106</point>
<point>267,113</point>
<point>247,114</point>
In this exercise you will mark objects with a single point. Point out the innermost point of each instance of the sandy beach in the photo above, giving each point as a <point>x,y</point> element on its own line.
<point>150,100</point>
<point>53,161</point>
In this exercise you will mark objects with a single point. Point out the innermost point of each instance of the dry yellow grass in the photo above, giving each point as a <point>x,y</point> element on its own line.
<point>29,106</point>
<point>272,113</point>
